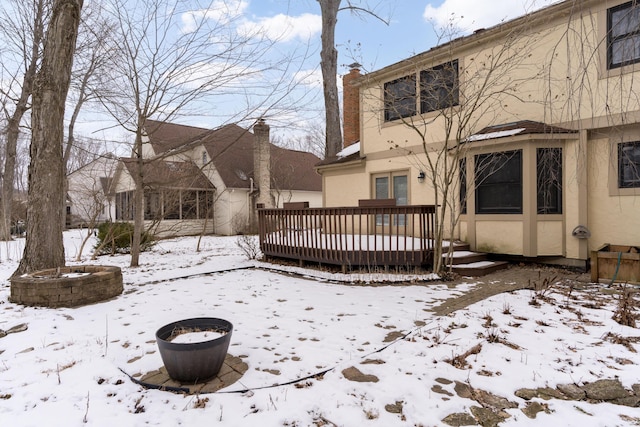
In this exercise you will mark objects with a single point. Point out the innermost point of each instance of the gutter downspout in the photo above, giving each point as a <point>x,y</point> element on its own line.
<point>583,193</point>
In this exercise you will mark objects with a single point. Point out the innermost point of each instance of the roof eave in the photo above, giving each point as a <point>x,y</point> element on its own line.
<point>451,49</point>
<point>505,140</point>
<point>340,165</point>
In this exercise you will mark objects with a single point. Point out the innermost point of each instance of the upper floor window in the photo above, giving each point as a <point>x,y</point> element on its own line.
<point>438,90</point>
<point>400,98</point>
<point>629,165</point>
<point>623,35</point>
<point>204,158</point>
<point>439,87</point>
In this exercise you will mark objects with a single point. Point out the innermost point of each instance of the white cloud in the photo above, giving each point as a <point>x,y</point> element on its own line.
<point>284,27</point>
<point>220,11</point>
<point>483,13</point>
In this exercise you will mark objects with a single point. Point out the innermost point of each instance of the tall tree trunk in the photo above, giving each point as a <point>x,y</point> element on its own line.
<point>138,208</point>
<point>329,67</point>
<point>13,123</point>
<point>44,244</point>
<point>8,179</point>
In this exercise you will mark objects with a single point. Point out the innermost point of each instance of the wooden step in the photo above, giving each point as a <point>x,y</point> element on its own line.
<point>457,246</point>
<point>464,257</point>
<point>480,268</point>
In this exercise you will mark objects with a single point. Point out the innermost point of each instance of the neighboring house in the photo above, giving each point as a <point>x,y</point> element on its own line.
<point>198,180</point>
<point>88,198</point>
<point>539,116</point>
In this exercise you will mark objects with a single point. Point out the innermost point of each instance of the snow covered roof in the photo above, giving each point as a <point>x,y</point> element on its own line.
<point>349,150</point>
<point>521,127</point>
<point>492,135</point>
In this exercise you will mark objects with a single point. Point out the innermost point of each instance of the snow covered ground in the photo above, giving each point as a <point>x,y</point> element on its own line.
<point>67,368</point>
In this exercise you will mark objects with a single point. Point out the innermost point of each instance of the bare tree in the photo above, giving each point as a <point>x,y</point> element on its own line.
<point>22,27</point>
<point>94,54</point>
<point>44,245</point>
<point>172,59</point>
<point>23,37</point>
<point>84,150</point>
<point>312,139</point>
<point>329,67</point>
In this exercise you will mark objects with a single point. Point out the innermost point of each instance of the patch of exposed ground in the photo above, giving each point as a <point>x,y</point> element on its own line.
<point>511,279</point>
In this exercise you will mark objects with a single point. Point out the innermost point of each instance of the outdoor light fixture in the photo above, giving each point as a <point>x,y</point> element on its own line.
<point>421,177</point>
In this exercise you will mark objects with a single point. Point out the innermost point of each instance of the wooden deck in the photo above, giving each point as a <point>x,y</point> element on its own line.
<point>373,234</point>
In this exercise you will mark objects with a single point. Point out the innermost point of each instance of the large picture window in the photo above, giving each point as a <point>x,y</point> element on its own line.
<point>167,204</point>
<point>623,35</point>
<point>498,178</point>
<point>439,87</point>
<point>549,180</point>
<point>629,165</point>
<point>400,98</point>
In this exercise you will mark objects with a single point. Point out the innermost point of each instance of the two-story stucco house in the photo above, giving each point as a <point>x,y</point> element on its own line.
<point>534,123</point>
<point>207,181</point>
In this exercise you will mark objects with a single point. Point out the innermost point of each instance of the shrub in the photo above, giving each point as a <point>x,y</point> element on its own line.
<point>116,237</point>
<point>624,313</point>
<point>249,246</point>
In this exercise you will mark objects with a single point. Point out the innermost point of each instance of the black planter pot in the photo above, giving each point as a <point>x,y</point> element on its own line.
<point>194,362</point>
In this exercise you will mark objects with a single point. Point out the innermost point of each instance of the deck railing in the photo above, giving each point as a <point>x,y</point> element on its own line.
<point>374,234</point>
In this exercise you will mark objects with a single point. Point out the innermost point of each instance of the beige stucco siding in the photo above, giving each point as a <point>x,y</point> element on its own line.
<point>573,177</point>
<point>500,236</point>
<point>344,187</point>
<point>614,215</point>
<point>549,238</point>
<point>463,233</point>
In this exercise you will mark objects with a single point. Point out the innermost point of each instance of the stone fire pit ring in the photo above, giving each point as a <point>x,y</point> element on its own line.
<point>194,362</point>
<point>71,286</point>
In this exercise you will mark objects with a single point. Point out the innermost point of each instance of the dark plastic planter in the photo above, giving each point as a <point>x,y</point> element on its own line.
<point>194,362</point>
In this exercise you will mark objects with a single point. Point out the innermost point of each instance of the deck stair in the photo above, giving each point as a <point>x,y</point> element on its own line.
<point>470,263</point>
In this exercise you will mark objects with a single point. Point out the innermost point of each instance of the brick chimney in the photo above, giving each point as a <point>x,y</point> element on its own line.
<point>351,106</point>
<point>262,163</point>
